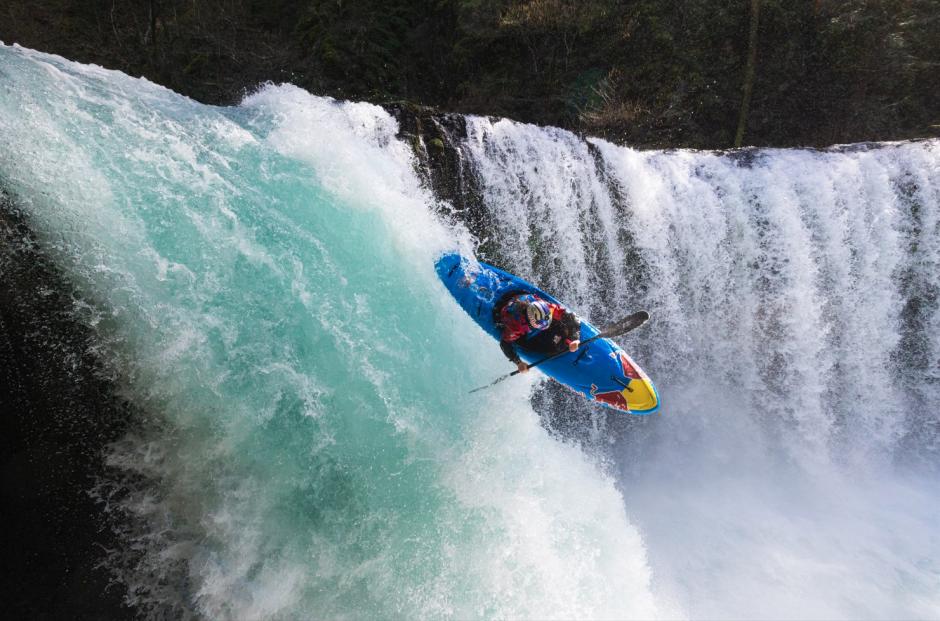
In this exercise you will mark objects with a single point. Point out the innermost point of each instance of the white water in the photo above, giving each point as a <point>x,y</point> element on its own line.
<point>315,453</point>
<point>261,280</point>
<point>793,470</point>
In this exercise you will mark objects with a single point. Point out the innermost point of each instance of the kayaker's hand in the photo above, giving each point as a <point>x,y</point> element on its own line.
<point>574,345</point>
<point>523,367</point>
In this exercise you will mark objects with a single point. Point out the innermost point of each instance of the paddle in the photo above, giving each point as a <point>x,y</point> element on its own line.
<point>628,323</point>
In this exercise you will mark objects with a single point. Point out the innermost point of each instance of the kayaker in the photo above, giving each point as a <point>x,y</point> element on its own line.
<point>536,325</point>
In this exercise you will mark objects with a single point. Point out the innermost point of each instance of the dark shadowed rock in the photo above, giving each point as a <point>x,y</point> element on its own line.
<point>59,411</point>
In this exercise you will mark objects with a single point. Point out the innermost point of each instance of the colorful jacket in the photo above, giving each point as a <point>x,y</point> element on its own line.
<point>565,325</point>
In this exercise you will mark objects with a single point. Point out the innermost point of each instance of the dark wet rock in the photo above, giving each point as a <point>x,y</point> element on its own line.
<point>59,412</point>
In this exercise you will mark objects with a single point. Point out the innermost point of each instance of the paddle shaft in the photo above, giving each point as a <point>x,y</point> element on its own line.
<point>615,330</point>
<point>561,353</point>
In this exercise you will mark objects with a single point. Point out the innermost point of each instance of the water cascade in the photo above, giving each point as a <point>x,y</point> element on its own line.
<point>260,279</point>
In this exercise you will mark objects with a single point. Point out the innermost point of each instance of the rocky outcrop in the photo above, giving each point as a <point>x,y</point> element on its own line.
<point>60,411</point>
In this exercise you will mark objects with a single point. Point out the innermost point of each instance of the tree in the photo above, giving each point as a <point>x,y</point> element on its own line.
<point>748,73</point>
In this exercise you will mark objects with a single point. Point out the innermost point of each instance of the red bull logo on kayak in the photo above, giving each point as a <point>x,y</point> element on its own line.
<point>613,398</point>
<point>626,364</point>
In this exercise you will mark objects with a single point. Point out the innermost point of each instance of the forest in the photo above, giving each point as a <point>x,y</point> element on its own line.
<point>649,73</point>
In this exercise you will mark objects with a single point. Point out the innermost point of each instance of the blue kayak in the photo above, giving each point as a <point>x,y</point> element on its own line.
<point>600,370</point>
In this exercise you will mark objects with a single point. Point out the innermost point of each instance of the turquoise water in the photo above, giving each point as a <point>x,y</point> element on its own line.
<point>261,281</point>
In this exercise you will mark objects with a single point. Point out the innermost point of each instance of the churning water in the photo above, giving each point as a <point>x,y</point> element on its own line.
<point>261,280</point>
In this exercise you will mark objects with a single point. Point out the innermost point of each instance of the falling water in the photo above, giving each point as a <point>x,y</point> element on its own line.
<point>261,280</point>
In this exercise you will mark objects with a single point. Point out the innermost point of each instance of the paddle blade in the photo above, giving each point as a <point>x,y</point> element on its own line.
<point>494,382</point>
<point>630,322</point>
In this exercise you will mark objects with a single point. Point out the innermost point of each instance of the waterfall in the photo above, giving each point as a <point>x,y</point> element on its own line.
<point>803,284</point>
<point>794,339</point>
<point>259,280</point>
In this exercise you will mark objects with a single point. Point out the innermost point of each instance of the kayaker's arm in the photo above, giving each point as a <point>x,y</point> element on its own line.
<point>572,327</point>
<point>510,351</point>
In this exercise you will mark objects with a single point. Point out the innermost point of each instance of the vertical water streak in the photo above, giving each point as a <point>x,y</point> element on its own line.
<point>917,357</point>
<point>553,216</point>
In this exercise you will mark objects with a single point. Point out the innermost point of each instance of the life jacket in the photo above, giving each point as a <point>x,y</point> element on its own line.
<point>515,322</point>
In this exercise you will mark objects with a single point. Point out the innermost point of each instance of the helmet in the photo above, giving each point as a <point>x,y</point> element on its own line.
<point>539,314</point>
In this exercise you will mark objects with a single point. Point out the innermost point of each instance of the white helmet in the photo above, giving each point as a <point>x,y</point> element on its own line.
<point>539,314</point>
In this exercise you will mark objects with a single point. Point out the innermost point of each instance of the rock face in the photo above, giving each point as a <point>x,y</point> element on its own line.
<point>59,412</point>
<point>435,138</point>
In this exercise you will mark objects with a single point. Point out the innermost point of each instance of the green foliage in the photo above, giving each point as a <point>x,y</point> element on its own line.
<point>658,72</point>
<point>369,49</point>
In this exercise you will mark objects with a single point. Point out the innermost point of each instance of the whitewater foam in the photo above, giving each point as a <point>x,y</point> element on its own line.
<point>262,281</point>
<point>793,295</point>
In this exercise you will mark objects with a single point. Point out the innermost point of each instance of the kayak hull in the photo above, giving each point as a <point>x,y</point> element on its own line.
<point>601,371</point>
